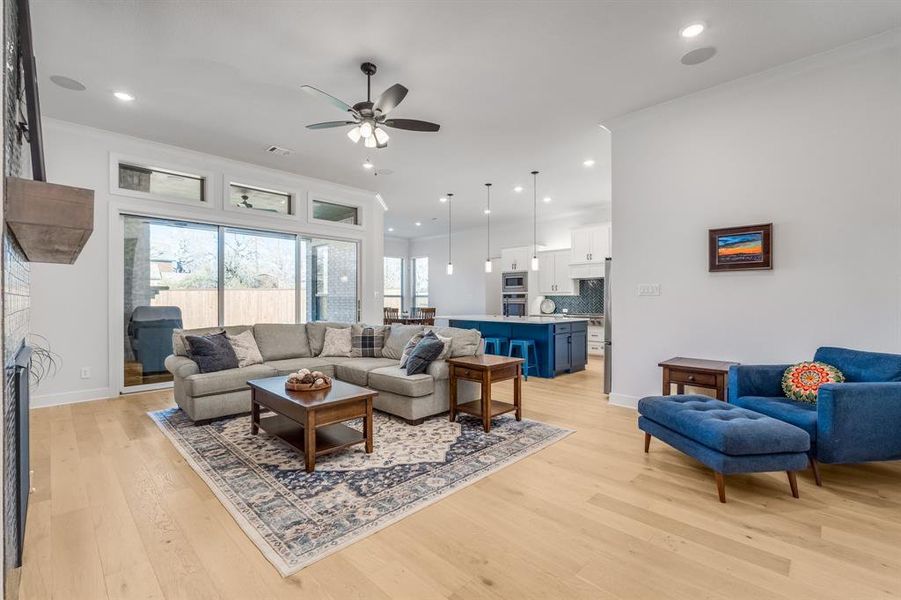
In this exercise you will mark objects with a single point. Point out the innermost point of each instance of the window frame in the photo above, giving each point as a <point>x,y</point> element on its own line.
<point>208,180</point>
<point>360,206</point>
<point>413,294</point>
<point>403,281</point>
<point>117,333</point>
<point>274,185</point>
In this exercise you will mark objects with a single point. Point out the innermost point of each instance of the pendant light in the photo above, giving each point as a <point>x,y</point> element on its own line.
<point>488,244</point>
<point>450,264</point>
<point>534,220</point>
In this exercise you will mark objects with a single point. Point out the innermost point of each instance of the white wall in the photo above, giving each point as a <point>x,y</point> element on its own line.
<point>75,306</point>
<point>814,147</point>
<point>470,290</point>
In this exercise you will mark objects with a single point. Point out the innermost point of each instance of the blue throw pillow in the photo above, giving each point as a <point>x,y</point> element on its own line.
<point>428,349</point>
<point>211,352</point>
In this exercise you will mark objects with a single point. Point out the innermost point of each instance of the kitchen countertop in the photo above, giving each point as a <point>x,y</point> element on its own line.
<point>533,320</point>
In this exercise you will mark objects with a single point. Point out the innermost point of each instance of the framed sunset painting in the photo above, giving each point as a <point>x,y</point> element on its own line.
<point>741,248</point>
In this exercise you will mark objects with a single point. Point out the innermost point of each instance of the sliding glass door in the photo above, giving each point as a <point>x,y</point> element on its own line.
<point>188,275</point>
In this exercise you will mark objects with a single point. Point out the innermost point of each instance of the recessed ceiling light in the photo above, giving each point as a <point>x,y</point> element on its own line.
<point>589,162</point>
<point>693,30</point>
<point>547,199</point>
<point>368,165</point>
<point>68,83</point>
<point>442,199</point>
<point>124,96</point>
<point>517,189</point>
<point>418,223</point>
<point>390,229</point>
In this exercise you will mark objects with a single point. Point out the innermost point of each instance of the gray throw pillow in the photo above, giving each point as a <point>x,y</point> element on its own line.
<point>428,349</point>
<point>397,339</point>
<point>367,340</point>
<point>316,334</point>
<point>211,352</point>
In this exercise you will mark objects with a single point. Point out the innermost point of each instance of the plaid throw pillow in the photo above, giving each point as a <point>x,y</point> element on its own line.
<point>427,350</point>
<point>367,340</point>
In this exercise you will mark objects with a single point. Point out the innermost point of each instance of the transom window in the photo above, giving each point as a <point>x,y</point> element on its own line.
<point>336,213</point>
<point>160,182</point>
<point>252,198</point>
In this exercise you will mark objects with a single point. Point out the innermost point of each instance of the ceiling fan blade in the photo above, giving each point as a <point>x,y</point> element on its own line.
<point>330,124</point>
<point>411,124</point>
<point>317,93</point>
<point>390,98</point>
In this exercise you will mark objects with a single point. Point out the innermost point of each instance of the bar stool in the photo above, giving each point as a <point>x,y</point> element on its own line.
<point>495,345</point>
<point>527,351</point>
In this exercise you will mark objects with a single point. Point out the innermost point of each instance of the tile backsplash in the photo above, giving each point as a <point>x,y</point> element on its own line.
<point>590,298</point>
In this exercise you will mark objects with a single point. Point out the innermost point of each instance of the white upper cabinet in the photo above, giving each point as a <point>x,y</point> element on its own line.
<point>590,245</point>
<point>554,277</point>
<point>516,259</point>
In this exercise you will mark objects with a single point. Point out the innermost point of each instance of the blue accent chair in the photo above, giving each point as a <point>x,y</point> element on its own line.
<point>852,422</point>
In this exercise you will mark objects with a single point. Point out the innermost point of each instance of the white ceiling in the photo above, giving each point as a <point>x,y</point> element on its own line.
<point>515,86</point>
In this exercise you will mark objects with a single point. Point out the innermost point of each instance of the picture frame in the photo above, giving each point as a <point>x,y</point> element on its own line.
<point>745,248</point>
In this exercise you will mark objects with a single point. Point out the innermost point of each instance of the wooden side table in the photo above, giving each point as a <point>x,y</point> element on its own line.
<point>697,372</point>
<point>485,370</point>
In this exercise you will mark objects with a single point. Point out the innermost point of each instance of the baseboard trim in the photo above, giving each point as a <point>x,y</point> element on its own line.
<point>624,400</point>
<point>44,400</point>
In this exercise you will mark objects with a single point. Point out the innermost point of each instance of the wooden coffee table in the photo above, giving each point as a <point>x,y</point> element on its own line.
<point>312,422</point>
<point>486,369</point>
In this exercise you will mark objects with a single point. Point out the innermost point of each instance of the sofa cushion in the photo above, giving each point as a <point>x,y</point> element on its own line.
<point>723,427</point>
<point>356,370</point>
<point>212,352</point>
<point>367,340</point>
<point>799,414</point>
<point>282,340</point>
<point>221,382</point>
<point>246,348</point>
<point>465,341</point>
<point>860,366</point>
<point>398,336</point>
<point>316,334</point>
<point>180,347</point>
<point>287,366</point>
<point>395,379</point>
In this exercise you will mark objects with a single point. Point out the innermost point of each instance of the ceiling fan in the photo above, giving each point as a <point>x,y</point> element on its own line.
<point>369,117</point>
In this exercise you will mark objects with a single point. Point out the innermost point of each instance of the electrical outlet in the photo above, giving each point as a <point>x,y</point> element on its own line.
<point>649,289</point>
<point>86,372</point>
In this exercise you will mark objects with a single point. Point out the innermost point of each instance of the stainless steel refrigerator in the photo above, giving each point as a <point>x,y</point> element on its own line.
<point>608,322</point>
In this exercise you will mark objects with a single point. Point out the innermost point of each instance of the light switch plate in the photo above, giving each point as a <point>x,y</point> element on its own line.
<point>648,289</point>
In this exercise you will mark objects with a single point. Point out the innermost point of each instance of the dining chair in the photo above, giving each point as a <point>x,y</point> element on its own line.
<point>426,314</point>
<point>391,315</point>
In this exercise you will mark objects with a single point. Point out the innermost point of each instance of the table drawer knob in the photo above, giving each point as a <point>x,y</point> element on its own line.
<point>691,377</point>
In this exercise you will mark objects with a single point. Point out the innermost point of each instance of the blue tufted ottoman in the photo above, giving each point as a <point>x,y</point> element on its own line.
<point>725,437</point>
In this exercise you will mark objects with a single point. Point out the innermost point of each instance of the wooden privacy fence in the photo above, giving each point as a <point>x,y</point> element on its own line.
<point>242,307</point>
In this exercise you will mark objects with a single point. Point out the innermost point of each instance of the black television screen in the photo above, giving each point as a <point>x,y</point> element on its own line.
<point>32,100</point>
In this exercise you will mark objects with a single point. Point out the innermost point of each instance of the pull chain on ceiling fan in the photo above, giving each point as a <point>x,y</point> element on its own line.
<point>369,117</point>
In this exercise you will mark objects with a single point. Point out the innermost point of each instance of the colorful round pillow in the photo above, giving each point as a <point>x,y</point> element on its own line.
<point>801,381</point>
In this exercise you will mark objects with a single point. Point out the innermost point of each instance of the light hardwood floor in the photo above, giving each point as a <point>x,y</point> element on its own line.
<point>116,513</point>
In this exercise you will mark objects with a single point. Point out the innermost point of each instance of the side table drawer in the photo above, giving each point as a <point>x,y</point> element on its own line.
<point>470,374</point>
<point>692,378</point>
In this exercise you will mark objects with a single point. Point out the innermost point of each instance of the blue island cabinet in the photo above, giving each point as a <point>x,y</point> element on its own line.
<point>561,347</point>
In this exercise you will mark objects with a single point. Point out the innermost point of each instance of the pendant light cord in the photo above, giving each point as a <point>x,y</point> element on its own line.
<point>488,249</point>
<point>534,213</point>
<point>450,198</point>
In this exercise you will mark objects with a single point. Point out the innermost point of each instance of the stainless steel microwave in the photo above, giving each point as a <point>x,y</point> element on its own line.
<point>515,282</point>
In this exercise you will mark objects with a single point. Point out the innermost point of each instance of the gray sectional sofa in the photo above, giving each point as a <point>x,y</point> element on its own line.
<point>288,348</point>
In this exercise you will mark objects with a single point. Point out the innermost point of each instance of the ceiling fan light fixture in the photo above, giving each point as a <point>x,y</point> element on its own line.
<point>381,137</point>
<point>354,135</point>
<point>370,142</point>
<point>366,129</point>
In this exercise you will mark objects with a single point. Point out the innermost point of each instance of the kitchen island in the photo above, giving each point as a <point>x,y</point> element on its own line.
<point>561,342</point>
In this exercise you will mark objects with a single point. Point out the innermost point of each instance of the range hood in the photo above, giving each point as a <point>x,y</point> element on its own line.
<point>51,222</point>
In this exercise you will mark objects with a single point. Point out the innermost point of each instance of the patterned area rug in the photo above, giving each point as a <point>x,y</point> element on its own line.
<point>296,518</point>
